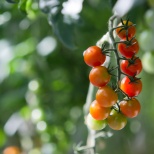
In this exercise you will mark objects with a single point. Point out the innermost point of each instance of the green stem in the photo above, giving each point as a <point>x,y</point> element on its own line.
<point>111,20</point>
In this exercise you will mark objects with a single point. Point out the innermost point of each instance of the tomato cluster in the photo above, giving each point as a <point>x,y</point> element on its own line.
<point>106,107</point>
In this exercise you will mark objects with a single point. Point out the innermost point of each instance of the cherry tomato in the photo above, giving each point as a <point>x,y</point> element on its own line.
<point>99,76</point>
<point>116,120</point>
<point>130,108</point>
<point>121,32</point>
<point>93,56</point>
<point>106,96</point>
<point>131,69</point>
<point>95,124</point>
<point>98,112</point>
<point>131,88</point>
<point>130,50</point>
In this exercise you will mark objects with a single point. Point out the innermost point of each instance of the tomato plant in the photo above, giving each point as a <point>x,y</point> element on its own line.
<point>99,76</point>
<point>129,48</point>
<point>98,112</point>
<point>106,96</point>
<point>116,120</point>
<point>95,124</point>
<point>130,108</point>
<point>131,88</point>
<point>94,56</point>
<point>131,67</point>
<point>128,29</point>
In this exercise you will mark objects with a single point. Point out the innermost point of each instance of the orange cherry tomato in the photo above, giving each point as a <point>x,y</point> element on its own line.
<point>116,120</point>
<point>98,112</point>
<point>94,56</point>
<point>130,108</point>
<point>99,76</point>
<point>106,96</point>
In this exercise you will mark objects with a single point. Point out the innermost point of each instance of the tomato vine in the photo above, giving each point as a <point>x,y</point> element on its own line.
<point>107,108</point>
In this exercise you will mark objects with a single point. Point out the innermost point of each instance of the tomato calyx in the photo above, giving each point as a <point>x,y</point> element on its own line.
<point>105,48</point>
<point>125,26</point>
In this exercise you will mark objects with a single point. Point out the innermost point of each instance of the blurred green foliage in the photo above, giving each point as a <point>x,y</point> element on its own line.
<point>44,81</point>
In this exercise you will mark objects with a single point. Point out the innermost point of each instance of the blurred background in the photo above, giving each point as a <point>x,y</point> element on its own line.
<point>44,80</point>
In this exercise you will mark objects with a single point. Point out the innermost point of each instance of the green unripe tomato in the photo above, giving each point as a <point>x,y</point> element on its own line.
<point>149,18</point>
<point>148,62</point>
<point>146,40</point>
<point>95,124</point>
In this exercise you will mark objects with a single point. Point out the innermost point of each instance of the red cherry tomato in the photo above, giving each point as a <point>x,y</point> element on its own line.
<point>122,32</point>
<point>131,88</point>
<point>98,112</point>
<point>130,50</point>
<point>116,120</point>
<point>99,76</point>
<point>131,69</point>
<point>106,96</point>
<point>130,108</point>
<point>93,56</point>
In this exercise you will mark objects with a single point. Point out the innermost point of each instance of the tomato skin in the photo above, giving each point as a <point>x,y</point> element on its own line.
<point>131,30</point>
<point>132,89</point>
<point>130,108</point>
<point>99,76</point>
<point>106,96</point>
<point>130,50</point>
<point>98,112</point>
<point>93,56</point>
<point>116,120</point>
<point>95,124</point>
<point>131,69</point>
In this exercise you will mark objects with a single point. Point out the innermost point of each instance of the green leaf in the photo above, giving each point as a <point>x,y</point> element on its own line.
<point>22,6</point>
<point>63,30</point>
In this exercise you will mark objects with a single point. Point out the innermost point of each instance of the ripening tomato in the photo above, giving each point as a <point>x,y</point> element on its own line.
<point>98,112</point>
<point>95,124</point>
<point>130,108</point>
<point>131,88</point>
<point>131,68</point>
<point>129,50</point>
<point>116,120</point>
<point>99,76</point>
<point>94,56</point>
<point>122,32</point>
<point>106,96</point>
